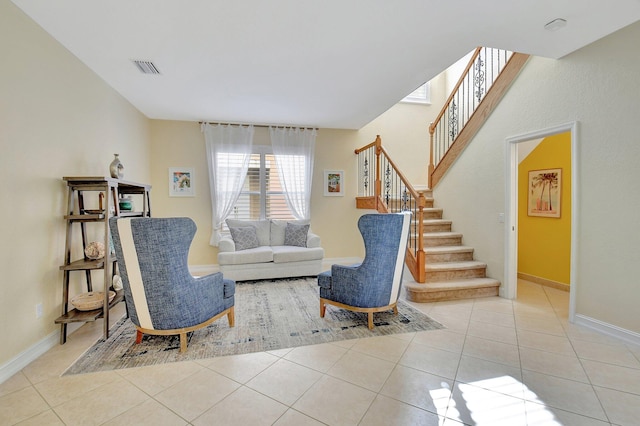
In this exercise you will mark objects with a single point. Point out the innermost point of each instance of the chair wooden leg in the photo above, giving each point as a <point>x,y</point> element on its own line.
<point>183,342</point>
<point>323,308</point>
<point>138,337</point>
<point>231,317</point>
<point>370,320</point>
<point>395,310</point>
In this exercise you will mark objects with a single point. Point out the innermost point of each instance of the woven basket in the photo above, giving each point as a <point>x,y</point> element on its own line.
<point>90,301</point>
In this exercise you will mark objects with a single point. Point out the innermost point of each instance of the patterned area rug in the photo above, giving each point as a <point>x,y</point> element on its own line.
<point>269,315</point>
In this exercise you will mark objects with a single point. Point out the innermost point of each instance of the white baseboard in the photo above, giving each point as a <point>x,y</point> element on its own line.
<point>29,355</point>
<point>608,329</point>
<point>341,261</point>
<point>200,270</point>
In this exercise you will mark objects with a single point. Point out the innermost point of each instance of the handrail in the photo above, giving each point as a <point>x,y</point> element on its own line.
<point>371,145</point>
<point>398,195</point>
<point>478,82</point>
<point>455,89</point>
<point>375,167</point>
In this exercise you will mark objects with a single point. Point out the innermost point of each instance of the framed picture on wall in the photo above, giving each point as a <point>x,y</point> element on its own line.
<point>544,193</point>
<point>333,183</point>
<point>181,182</point>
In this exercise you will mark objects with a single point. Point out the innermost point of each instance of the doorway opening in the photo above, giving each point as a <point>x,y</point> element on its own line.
<point>514,203</point>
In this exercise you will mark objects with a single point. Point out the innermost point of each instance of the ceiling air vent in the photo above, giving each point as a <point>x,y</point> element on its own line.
<point>146,67</point>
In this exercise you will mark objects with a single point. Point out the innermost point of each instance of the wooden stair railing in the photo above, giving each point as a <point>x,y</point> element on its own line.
<point>383,187</point>
<point>484,81</point>
<point>391,192</point>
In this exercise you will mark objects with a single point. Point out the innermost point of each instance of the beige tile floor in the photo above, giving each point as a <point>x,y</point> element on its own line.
<point>498,362</point>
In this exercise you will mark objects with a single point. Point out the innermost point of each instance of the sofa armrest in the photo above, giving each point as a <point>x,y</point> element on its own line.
<point>226,244</point>
<point>313,240</point>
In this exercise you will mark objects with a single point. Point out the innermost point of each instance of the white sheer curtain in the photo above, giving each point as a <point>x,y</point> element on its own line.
<point>294,149</point>
<point>228,153</point>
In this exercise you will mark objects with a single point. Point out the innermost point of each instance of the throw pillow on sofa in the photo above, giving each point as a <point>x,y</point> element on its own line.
<point>244,237</point>
<point>278,226</point>
<point>296,235</point>
<point>262,228</point>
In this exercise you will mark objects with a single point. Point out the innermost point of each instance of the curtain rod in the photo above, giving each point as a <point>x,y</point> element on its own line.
<point>265,126</point>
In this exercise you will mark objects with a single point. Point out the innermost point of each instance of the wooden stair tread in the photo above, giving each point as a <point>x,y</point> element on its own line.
<point>459,265</point>
<point>468,283</point>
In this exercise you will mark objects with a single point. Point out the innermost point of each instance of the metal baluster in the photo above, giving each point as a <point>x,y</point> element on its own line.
<point>453,120</point>
<point>405,199</point>
<point>387,184</point>
<point>365,176</point>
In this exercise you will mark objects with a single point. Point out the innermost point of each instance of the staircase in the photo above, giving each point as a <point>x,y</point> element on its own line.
<point>443,268</point>
<point>450,269</point>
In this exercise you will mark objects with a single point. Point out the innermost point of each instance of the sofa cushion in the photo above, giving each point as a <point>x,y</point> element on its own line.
<point>263,228</point>
<point>284,254</point>
<point>278,227</point>
<point>260,254</point>
<point>296,235</point>
<point>244,237</point>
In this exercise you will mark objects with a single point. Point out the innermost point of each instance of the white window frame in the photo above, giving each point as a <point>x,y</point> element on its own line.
<point>263,151</point>
<point>422,95</point>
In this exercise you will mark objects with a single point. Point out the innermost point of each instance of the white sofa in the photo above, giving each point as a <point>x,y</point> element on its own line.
<point>272,258</point>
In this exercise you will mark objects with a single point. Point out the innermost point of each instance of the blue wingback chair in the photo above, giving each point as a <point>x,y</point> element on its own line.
<point>161,295</point>
<point>374,285</point>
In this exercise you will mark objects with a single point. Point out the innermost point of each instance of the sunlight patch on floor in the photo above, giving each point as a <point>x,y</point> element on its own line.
<point>474,404</point>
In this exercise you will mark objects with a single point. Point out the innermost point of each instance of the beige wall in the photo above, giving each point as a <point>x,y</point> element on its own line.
<point>598,87</point>
<point>404,129</point>
<point>57,118</point>
<point>333,218</point>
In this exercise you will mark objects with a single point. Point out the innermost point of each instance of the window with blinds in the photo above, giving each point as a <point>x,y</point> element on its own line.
<point>262,195</point>
<point>422,95</point>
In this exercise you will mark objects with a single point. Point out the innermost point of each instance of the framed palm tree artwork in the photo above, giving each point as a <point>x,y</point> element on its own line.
<point>545,190</point>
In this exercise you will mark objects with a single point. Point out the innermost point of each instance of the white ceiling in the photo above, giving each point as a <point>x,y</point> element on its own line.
<point>329,63</point>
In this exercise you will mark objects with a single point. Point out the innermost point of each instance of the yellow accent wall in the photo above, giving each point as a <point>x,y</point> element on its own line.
<point>544,244</point>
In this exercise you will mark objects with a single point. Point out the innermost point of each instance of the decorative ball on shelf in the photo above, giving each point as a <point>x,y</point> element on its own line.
<point>94,250</point>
